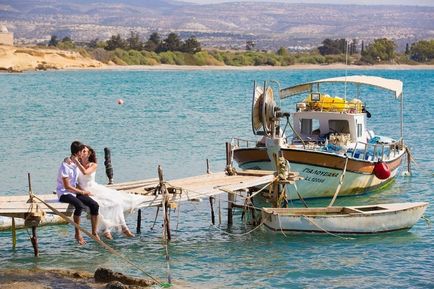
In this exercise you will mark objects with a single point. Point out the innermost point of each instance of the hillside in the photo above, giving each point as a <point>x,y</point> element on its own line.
<point>270,25</point>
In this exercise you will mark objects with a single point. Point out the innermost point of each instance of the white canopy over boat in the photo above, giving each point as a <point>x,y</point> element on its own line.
<point>393,85</point>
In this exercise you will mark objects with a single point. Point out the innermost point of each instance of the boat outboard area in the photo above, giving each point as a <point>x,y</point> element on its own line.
<point>325,134</point>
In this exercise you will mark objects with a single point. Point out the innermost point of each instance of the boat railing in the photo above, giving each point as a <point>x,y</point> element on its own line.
<point>376,151</point>
<point>244,143</point>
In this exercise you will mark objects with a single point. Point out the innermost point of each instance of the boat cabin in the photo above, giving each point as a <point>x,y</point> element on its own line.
<point>320,117</point>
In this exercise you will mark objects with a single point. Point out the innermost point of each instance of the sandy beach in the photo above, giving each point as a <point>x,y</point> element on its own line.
<point>19,59</point>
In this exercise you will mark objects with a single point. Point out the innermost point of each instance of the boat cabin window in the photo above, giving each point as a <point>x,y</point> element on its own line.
<point>359,130</point>
<point>339,126</point>
<point>310,126</point>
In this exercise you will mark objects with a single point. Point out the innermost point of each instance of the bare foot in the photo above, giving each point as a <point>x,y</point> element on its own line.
<point>128,233</point>
<point>96,236</point>
<point>80,240</point>
<point>108,235</point>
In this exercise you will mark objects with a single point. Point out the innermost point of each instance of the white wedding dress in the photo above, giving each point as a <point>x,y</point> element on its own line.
<point>112,203</point>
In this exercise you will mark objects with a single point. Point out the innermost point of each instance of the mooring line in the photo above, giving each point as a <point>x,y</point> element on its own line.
<point>325,231</point>
<point>237,235</point>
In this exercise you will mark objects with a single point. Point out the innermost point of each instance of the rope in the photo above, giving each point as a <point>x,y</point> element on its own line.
<point>237,235</point>
<point>341,180</point>
<point>104,245</point>
<point>324,230</point>
<point>280,226</point>
<point>427,220</point>
<point>225,232</point>
<point>299,196</point>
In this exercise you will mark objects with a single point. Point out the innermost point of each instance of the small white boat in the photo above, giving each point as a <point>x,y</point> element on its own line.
<point>345,220</point>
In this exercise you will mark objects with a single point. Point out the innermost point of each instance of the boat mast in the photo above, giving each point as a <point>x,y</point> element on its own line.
<point>402,116</point>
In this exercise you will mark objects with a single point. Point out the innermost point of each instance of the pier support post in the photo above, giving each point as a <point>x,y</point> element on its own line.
<point>108,165</point>
<point>34,240</point>
<point>231,200</point>
<point>167,221</point>
<point>252,208</point>
<point>229,168</point>
<point>211,202</point>
<point>14,234</point>
<point>165,205</point>
<point>139,221</point>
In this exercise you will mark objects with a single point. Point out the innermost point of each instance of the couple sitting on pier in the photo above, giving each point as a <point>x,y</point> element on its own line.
<point>76,185</point>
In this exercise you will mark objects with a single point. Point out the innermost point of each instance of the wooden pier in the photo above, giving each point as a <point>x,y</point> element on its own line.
<point>157,193</point>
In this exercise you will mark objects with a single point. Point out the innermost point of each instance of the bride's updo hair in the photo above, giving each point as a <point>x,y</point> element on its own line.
<point>92,155</point>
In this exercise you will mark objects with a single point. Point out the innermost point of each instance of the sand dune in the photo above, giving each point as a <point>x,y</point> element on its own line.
<point>17,59</point>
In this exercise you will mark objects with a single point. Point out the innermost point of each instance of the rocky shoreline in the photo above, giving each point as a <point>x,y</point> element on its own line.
<point>60,278</point>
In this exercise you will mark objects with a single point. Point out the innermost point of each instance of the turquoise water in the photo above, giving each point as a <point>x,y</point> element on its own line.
<point>178,119</point>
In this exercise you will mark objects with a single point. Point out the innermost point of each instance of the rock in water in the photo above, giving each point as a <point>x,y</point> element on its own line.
<point>103,275</point>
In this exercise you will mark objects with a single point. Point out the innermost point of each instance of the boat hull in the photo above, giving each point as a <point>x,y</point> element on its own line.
<point>321,171</point>
<point>372,219</point>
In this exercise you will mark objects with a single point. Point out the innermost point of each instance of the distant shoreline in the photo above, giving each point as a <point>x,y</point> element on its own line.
<point>336,66</point>
<point>21,59</point>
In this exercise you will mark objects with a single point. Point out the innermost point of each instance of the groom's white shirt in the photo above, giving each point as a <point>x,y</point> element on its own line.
<point>70,171</point>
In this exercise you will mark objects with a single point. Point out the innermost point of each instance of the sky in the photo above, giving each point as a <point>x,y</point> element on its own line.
<point>361,2</point>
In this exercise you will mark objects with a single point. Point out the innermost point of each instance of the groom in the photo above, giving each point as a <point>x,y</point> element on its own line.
<point>68,191</point>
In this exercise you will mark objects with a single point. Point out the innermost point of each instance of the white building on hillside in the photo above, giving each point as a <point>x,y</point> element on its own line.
<point>6,37</point>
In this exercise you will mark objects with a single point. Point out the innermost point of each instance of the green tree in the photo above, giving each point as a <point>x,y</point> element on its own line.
<point>66,43</point>
<point>282,51</point>
<point>116,41</point>
<point>153,42</point>
<point>380,50</point>
<point>407,49</point>
<point>329,46</point>
<point>422,51</point>
<point>191,45</point>
<point>53,41</point>
<point>96,43</point>
<point>171,43</point>
<point>134,42</point>
<point>250,45</point>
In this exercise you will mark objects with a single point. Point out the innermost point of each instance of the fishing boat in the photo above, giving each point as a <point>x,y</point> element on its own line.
<point>369,219</point>
<point>330,137</point>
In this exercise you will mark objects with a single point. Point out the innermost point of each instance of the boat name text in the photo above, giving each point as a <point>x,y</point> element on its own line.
<point>320,173</point>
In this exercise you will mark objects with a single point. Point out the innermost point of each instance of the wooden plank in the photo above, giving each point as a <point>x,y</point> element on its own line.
<point>17,206</point>
<point>186,189</point>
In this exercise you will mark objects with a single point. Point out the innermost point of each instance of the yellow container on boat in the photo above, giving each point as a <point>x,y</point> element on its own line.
<point>325,102</point>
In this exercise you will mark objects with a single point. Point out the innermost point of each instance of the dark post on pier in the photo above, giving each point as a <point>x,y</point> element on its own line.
<point>108,165</point>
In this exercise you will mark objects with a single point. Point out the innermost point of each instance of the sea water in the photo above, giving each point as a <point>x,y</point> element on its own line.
<point>178,119</point>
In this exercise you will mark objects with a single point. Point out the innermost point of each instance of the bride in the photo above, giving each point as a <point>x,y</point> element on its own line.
<point>112,203</point>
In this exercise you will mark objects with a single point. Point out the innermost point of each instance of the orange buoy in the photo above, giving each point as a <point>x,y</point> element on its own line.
<point>381,170</point>
<point>120,101</point>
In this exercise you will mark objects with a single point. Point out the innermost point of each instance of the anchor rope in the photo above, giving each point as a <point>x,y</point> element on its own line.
<point>100,242</point>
